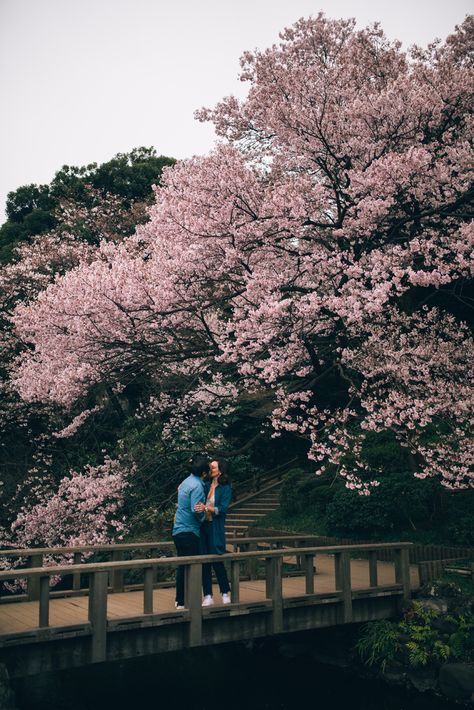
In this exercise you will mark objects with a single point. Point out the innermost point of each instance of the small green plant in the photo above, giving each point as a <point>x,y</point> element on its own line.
<point>423,643</point>
<point>424,637</point>
<point>461,641</point>
<point>378,643</point>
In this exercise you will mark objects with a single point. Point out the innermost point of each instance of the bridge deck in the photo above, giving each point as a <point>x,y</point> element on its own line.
<point>23,616</point>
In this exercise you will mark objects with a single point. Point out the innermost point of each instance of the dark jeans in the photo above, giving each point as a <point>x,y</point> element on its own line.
<point>187,543</point>
<point>221,575</point>
<point>207,548</point>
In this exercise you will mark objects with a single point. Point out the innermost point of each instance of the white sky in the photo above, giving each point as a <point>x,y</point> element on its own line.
<point>81,80</point>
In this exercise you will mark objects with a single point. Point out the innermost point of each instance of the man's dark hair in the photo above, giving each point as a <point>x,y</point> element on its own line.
<point>199,465</point>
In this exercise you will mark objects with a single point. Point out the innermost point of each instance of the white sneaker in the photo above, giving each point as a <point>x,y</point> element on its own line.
<point>226,598</point>
<point>178,606</point>
<point>207,601</point>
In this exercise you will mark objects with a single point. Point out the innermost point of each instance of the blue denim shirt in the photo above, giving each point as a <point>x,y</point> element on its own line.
<point>190,492</point>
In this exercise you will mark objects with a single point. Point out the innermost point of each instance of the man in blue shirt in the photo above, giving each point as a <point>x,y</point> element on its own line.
<point>187,522</point>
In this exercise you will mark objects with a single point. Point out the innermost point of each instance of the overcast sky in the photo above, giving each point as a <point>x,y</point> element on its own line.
<point>81,80</point>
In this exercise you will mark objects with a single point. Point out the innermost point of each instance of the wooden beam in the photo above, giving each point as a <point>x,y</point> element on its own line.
<point>148,591</point>
<point>309,573</point>
<point>235,581</point>
<point>343,583</point>
<point>35,560</point>
<point>44,601</point>
<point>274,592</point>
<point>193,601</point>
<point>98,616</point>
<point>117,574</point>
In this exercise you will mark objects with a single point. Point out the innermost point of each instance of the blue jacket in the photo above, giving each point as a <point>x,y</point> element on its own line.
<point>190,492</point>
<point>213,531</point>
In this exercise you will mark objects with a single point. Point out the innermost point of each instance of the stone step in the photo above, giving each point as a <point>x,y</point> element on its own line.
<point>242,521</point>
<point>252,512</point>
<point>238,528</point>
<point>265,504</point>
<point>258,503</point>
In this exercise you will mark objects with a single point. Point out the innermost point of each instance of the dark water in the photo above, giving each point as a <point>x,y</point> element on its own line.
<point>261,676</point>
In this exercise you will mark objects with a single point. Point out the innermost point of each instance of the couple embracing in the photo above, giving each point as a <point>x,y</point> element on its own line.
<point>199,524</point>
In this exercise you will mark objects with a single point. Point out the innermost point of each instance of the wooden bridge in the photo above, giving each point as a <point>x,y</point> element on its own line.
<point>278,585</point>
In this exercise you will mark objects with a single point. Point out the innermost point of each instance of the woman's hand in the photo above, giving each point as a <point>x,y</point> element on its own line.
<point>199,507</point>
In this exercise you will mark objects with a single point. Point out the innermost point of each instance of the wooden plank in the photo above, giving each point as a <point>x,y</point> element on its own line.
<point>235,581</point>
<point>343,583</point>
<point>172,561</point>
<point>117,574</point>
<point>308,564</point>
<point>193,596</point>
<point>269,570</point>
<point>33,588</point>
<point>252,566</point>
<point>98,617</point>
<point>148,591</point>
<point>277,596</point>
<point>43,601</point>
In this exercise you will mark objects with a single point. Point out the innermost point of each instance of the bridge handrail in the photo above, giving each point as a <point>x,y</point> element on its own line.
<point>129,546</point>
<point>195,559</point>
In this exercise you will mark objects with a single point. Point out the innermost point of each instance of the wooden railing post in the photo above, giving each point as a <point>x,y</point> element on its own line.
<point>309,573</point>
<point>148,590</point>
<point>273,591</point>
<point>98,587</point>
<point>117,574</point>
<point>33,584</point>
<point>192,601</point>
<point>235,581</point>
<point>343,583</point>
<point>300,561</point>
<point>76,577</point>
<point>253,562</point>
<point>44,601</point>
<point>373,575</point>
<point>402,571</point>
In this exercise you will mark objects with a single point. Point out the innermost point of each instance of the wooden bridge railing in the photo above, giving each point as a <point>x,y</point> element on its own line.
<point>34,557</point>
<point>193,612</point>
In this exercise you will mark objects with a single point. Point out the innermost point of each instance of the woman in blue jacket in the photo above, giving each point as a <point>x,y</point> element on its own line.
<point>218,496</point>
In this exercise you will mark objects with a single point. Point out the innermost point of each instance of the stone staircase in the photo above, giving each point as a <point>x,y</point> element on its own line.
<point>249,509</point>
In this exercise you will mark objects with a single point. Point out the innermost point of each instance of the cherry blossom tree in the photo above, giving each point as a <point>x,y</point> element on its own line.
<point>321,255</point>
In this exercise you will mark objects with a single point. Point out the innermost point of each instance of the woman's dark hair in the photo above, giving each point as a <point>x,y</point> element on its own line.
<point>224,468</point>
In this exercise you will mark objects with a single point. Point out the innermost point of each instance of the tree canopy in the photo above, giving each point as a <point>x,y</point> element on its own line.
<point>318,260</point>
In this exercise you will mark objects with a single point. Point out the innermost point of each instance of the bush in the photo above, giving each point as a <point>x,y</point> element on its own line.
<point>424,637</point>
<point>379,643</point>
<point>304,493</point>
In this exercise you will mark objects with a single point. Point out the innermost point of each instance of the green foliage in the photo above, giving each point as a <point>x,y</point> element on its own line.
<point>28,199</point>
<point>304,492</point>
<point>460,517</point>
<point>30,208</point>
<point>401,507</point>
<point>423,637</point>
<point>131,174</point>
<point>423,644</point>
<point>378,643</point>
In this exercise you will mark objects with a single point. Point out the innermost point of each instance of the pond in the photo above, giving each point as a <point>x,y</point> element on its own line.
<point>254,676</point>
